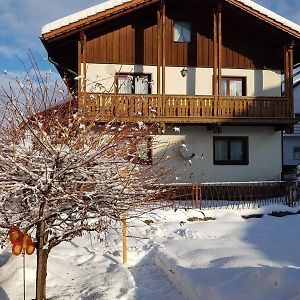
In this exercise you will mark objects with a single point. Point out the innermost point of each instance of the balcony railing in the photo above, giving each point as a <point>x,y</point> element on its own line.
<point>185,109</point>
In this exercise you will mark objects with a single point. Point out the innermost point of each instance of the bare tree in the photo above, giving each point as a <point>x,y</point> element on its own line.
<point>61,175</point>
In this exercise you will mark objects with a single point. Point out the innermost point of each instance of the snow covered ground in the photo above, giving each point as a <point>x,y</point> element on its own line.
<point>176,257</point>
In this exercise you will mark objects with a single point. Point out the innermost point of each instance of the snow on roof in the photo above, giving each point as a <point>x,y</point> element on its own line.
<point>270,14</point>
<point>113,3</point>
<point>82,15</point>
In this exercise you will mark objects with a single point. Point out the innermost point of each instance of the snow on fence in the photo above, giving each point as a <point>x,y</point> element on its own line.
<point>234,194</point>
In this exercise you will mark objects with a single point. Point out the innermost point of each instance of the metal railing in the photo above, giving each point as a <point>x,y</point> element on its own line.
<point>234,195</point>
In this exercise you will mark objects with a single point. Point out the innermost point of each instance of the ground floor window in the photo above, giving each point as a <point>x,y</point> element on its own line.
<point>296,152</point>
<point>137,149</point>
<point>133,83</point>
<point>231,150</point>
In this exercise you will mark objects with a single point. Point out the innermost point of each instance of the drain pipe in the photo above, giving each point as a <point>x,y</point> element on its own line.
<point>56,64</point>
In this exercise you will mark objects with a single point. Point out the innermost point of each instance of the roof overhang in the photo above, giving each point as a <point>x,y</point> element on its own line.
<point>114,8</point>
<point>269,17</point>
<point>82,23</point>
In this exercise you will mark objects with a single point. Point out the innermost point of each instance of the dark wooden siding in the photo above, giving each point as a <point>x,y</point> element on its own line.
<point>134,41</point>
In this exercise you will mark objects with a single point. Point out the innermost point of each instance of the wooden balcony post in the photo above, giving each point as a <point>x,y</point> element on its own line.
<point>79,51</point>
<point>219,14</point>
<point>82,55</point>
<point>286,73</point>
<point>215,61</point>
<point>163,47</point>
<point>291,77</point>
<point>158,49</point>
<point>163,56</point>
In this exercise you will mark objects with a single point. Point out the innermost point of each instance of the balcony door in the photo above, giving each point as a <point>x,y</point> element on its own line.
<point>133,84</point>
<point>233,86</point>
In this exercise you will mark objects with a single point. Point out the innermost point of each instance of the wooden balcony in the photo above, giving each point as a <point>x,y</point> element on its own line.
<point>186,109</point>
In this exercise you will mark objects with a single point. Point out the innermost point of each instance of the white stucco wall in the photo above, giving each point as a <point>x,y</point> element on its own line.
<point>264,154</point>
<point>197,82</point>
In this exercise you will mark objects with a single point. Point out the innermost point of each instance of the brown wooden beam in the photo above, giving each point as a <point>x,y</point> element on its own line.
<point>79,62</point>
<point>158,50</point>
<point>199,120</point>
<point>82,71</point>
<point>219,17</point>
<point>163,47</point>
<point>215,53</point>
<point>291,77</point>
<point>286,72</point>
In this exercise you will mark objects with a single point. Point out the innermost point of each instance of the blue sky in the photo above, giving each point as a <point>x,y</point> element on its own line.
<point>21,22</point>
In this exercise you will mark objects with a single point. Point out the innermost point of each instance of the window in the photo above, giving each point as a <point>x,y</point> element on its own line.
<point>296,152</point>
<point>181,31</point>
<point>133,83</point>
<point>137,149</point>
<point>231,151</point>
<point>232,86</point>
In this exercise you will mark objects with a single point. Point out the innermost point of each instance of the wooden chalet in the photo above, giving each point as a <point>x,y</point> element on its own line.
<point>214,66</point>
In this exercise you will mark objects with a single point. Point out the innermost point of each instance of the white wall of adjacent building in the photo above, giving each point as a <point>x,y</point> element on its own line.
<point>297,99</point>
<point>292,141</point>
<point>264,154</point>
<point>198,81</point>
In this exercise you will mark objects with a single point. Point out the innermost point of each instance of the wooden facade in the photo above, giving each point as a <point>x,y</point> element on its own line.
<point>135,41</point>
<point>222,36</point>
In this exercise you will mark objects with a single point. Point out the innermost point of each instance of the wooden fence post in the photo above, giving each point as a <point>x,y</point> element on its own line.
<point>200,191</point>
<point>197,196</point>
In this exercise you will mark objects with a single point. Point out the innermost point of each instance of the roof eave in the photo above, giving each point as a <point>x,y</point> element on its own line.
<point>265,18</point>
<point>81,24</point>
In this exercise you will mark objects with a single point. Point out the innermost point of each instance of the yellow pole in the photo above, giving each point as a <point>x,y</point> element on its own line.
<point>124,230</point>
<point>25,238</point>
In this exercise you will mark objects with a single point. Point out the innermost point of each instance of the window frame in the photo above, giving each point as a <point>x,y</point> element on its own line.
<point>228,161</point>
<point>117,75</point>
<point>298,150</point>
<point>235,78</point>
<point>173,29</point>
<point>132,153</point>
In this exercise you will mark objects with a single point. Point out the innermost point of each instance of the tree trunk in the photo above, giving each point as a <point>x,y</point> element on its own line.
<point>42,258</point>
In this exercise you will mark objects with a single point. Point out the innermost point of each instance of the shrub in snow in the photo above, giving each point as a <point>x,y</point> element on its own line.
<point>60,175</point>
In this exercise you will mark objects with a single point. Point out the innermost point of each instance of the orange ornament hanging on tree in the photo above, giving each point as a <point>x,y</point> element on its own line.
<point>21,243</point>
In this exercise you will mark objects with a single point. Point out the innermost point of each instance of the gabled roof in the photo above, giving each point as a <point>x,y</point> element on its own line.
<point>107,8</point>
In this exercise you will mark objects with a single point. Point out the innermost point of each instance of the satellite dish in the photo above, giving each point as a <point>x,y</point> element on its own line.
<point>186,151</point>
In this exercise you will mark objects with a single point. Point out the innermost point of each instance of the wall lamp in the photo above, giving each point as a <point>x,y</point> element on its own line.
<point>183,72</point>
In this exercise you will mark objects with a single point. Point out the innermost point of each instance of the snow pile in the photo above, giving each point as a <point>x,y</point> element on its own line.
<point>176,256</point>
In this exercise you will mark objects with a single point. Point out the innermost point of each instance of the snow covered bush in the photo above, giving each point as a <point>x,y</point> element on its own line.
<point>61,175</point>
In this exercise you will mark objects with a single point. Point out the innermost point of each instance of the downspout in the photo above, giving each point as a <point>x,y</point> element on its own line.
<point>56,64</point>
<point>59,66</point>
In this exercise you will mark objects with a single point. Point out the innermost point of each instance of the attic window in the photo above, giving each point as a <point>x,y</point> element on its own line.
<point>182,31</point>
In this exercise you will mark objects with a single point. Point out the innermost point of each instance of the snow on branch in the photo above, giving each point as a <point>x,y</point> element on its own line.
<point>58,170</point>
